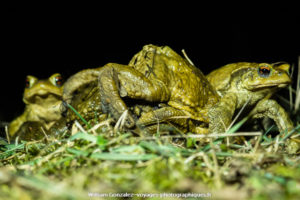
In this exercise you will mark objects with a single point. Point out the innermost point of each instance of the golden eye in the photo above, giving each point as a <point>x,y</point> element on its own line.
<point>264,71</point>
<point>27,83</point>
<point>30,81</point>
<point>58,81</point>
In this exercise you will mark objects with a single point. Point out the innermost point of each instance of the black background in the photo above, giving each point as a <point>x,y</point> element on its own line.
<point>42,43</point>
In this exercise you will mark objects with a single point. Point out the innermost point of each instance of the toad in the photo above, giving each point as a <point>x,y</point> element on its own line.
<point>158,74</point>
<point>185,89</point>
<point>43,100</point>
<point>252,84</point>
<point>81,92</point>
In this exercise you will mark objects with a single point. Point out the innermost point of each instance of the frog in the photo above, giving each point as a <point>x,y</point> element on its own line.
<point>251,85</point>
<point>42,100</point>
<point>206,104</point>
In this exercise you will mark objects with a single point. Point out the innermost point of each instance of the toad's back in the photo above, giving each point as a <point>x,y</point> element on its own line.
<point>188,87</point>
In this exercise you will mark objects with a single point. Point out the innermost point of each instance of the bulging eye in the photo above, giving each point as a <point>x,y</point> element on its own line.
<point>58,81</point>
<point>30,81</point>
<point>27,83</point>
<point>264,71</point>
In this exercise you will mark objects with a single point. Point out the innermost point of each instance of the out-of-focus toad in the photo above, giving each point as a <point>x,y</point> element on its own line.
<point>43,103</point>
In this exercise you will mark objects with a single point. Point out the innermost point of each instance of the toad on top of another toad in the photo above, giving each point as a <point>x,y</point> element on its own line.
<point>43,101</point>
<point>158,74</point>
<point>201,104</point>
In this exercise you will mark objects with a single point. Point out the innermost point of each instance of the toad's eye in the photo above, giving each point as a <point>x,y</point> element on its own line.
<point>30,81</point>
<point>58,80</point>
<point>27,83</point>
<point>264,71</point>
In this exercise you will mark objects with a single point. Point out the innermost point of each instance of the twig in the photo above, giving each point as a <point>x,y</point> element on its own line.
<point>290,91</point>
<point>295,136</point>
<point>43,131</point>
<point>207,136</point>
<point>237,116</point>
<point>234,120</point>
<point>121,121</point>
<point>106,123</point>
<point>216,165</point>
<point>276,145</point>
<point>157,129</point>
<point>297,101</point>
<point>7,135</point>
<point>80,127</point>
<point>186,57</point>
<point>257,143</point>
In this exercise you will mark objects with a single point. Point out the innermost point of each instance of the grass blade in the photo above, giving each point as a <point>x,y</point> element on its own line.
<point>123,157</point>
<point>77,113</point>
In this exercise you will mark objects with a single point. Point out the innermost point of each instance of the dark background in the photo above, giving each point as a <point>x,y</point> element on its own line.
<point>41,44</point>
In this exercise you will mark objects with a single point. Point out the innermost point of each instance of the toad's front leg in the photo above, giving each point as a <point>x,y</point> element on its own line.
<point>116,81</point>
<point>220,115</point>
<point>15,125</point>
<point>270,108</point>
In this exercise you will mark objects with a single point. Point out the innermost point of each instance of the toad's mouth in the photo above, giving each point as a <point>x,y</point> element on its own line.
<point>44,98</point>
<point>266,86</point>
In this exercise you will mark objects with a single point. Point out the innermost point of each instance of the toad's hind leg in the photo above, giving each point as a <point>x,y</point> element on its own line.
<point>165,114</point>
<point>116,81</point>
<point>172,115</point>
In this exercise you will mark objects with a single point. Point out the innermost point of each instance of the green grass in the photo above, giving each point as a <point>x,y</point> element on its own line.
<point>75,166</point>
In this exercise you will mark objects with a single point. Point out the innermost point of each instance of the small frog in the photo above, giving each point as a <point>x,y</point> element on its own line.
<point>43,100</point>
